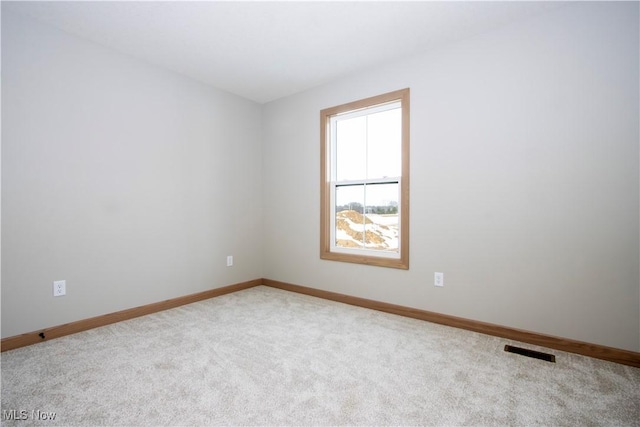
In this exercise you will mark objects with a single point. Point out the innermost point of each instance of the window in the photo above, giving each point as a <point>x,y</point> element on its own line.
<point>364,179</point>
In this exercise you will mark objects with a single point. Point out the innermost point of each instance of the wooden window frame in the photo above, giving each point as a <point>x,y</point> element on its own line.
<point>402,262</point>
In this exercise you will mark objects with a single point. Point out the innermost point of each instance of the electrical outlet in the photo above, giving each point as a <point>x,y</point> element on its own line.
<point>59,288</point>
<point>438,279</point>
<point>229,260</point>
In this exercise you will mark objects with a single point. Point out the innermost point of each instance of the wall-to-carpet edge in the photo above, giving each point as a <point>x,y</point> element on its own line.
<point>587,349</point>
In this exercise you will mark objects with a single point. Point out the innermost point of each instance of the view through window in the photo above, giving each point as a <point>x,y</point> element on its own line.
<point>365,181</point>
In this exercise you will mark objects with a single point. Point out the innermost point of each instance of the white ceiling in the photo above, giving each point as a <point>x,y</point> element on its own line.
<point>267,50</point>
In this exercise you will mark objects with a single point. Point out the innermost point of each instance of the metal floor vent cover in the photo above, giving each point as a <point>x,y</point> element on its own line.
<point>530,353</point>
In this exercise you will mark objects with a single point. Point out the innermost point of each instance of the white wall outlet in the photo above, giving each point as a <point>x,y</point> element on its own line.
<point>438,279</point>
<point>229,260</point>
<point>59,288</point>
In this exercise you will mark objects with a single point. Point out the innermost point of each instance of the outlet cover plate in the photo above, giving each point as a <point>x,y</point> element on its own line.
<point>438,279</point>
<point>59,288</point>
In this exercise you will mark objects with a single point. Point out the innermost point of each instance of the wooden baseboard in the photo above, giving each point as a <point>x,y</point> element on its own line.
<point>29,338</point>
<point>611,354</point>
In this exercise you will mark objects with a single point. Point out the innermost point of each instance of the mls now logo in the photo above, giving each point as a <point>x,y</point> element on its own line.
<point>23,415</point>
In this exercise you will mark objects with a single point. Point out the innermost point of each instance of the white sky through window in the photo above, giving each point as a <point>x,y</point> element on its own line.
<point>369,147</point>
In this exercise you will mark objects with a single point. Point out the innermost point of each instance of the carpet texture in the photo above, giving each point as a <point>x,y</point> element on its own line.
<point>263,356</point>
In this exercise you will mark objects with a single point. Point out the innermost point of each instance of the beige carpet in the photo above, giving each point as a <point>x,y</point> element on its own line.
<point>269,357</point>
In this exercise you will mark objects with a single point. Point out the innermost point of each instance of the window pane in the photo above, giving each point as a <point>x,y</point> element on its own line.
<point>349,230</point>
<point>367,216</point>
<point>382,216</point>
<point>384,131</point>
<point>351,146</point>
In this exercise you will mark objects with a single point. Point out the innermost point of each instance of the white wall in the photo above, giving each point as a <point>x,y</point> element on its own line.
<point>130,182</point>
<point>133,183</point>
<point>524,178</point>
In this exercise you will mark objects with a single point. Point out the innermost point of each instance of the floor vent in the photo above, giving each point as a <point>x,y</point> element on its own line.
<point>530,353</point>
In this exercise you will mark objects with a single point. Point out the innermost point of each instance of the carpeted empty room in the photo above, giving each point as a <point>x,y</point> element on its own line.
<point>265,356</point>
<point>320,213</point>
